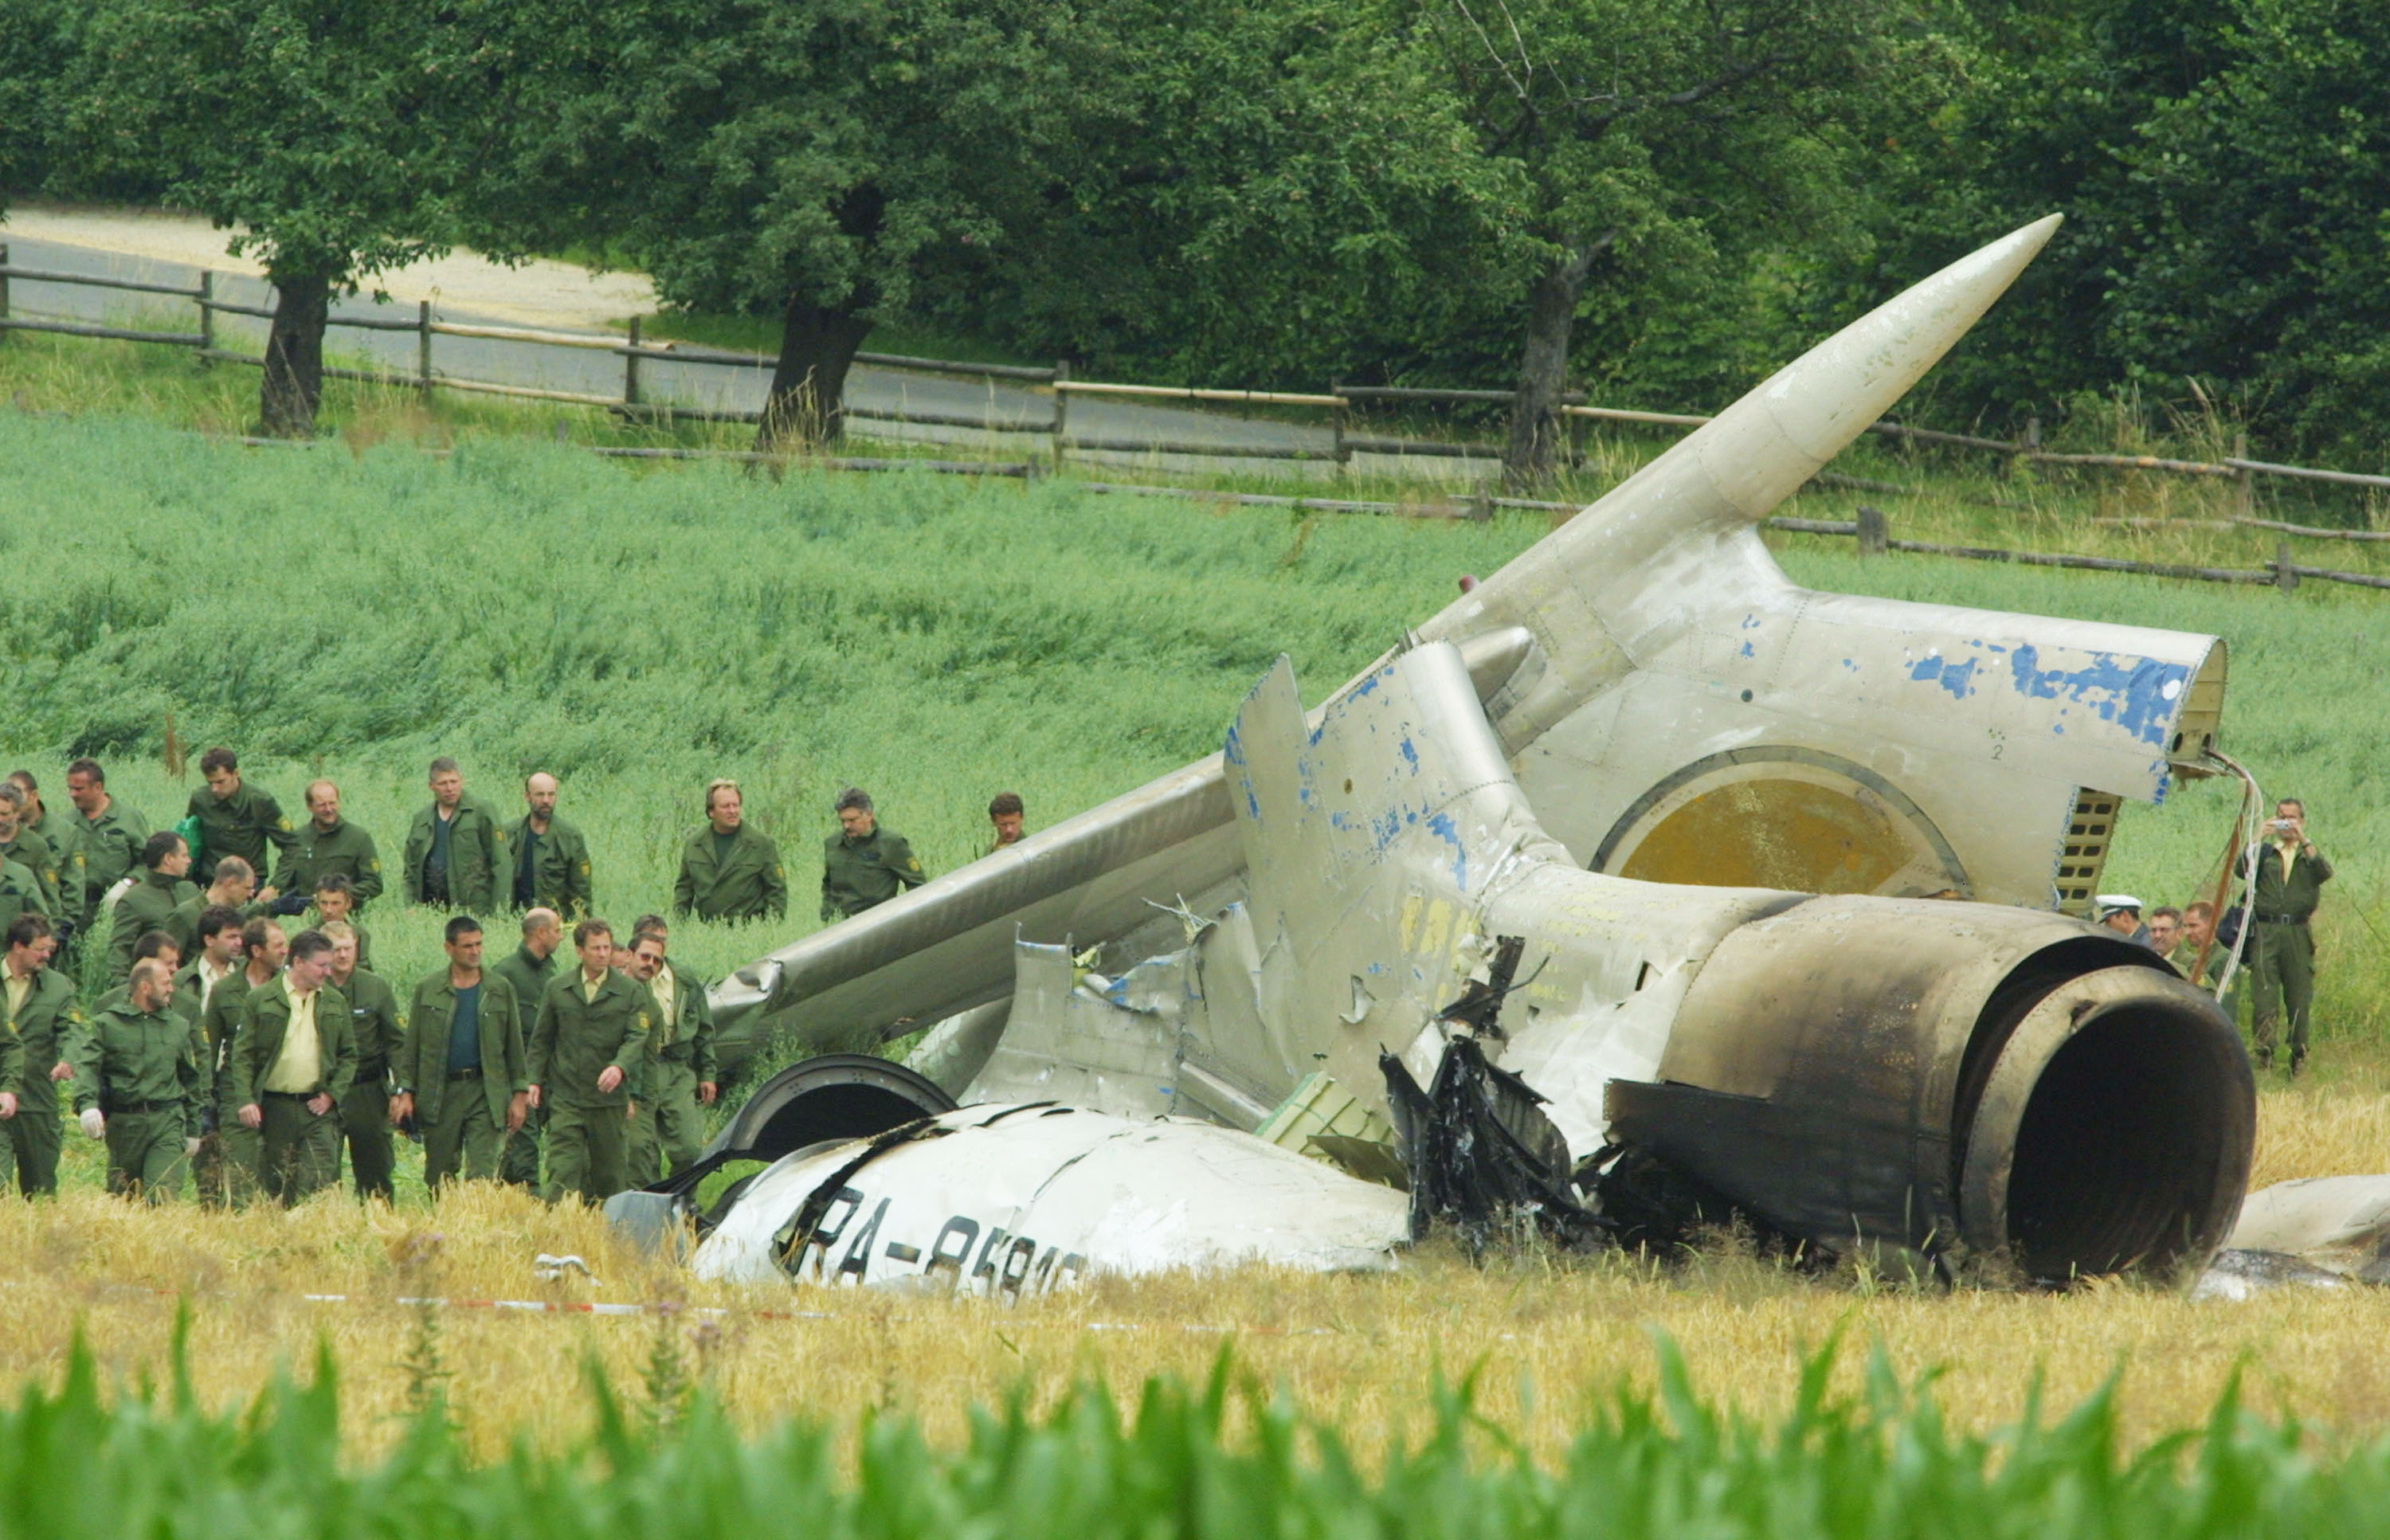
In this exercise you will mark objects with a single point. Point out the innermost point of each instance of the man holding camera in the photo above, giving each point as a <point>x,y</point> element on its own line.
<point>2291,873</point>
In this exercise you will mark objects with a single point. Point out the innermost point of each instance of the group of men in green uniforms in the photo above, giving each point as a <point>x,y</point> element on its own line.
<point>255,1058</point>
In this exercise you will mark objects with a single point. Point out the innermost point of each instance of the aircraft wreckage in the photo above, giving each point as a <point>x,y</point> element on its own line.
<point>1639,877</point>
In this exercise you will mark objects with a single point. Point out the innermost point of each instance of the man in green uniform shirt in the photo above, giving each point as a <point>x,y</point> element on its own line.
<point>44,1019</point>
<point>160,900</point>
<point>215,936</point>
<point>324,844</point>
<point>28,848</point>
<point>336,903</point>
<point>591,1033</point>
<point>551,868</point>
<point>670,1130</point>
<point>235,818</point>
<point>292,1059</point>
<point>137,1083</point>
<point>104,842</point>
<point>456,849</point>
<point>166,949</point>
<point>528,970</point>
<point>21,891</point>
<point>374,1022</point>
<point>227,1160</point>
<point>729,870</point>
<point>2291,873</point>
<point>864,865</point>
<point>38,816</point>
<point>461,1073</point>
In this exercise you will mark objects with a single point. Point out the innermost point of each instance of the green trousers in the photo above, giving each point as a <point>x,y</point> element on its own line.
<point>462,1132</point>
<point>588,1153</point>
<point>671,1127</point>
<point>519,1163</point>
<point>145,1154</point>
<point>298,1153</point>
<point>364,1124</point>
<point>34,1139</point>
<point>2281,980</point>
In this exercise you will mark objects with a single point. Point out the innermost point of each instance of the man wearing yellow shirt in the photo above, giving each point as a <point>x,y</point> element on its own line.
<point>294,1057</point>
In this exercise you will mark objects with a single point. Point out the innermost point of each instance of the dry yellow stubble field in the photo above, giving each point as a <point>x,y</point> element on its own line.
<point>1546,1336</point>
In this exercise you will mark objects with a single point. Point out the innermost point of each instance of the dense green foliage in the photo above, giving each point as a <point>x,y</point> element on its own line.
<point>1658,200</point>
<point>333,139</point>
<point>827,163</point>
<point>1220,1459</point>
<point>2224,167</point>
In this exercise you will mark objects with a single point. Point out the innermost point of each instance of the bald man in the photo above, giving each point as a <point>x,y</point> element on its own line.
<point>551,858</point>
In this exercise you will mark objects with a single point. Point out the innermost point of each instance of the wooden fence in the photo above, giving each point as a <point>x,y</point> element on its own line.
<point>1338,403</point>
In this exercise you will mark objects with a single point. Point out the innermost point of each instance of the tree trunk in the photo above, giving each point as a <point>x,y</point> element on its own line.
<point>807,403</point>
<point>1537,431</point>
<point>294,356</point>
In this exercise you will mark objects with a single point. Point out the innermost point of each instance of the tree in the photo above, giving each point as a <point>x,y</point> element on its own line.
<point>331,137</point>
<point>1646,134</point>
<point>37,41</point>
<point>827,163</point>
<point>1258,194</point>
<point>2222,169</point>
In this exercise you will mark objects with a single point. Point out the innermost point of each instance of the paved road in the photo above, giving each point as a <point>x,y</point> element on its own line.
<point>997,403</point>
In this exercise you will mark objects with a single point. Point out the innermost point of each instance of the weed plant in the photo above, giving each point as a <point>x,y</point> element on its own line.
<point>1215,1458</point>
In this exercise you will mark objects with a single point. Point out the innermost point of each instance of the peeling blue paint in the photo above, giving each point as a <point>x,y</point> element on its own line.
<point>1449,833</point>
<point>1747,650</point>
<point>1848,664</point>
<point>2132,693</point>
<point>1410,752</point>
<point>1958,678</point>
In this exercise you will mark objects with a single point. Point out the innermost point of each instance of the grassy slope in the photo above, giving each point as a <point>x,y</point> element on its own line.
<point>934,640</point>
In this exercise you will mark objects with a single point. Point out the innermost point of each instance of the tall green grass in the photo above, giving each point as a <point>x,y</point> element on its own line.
<point>638,632</point>
<point>1219,1459</point>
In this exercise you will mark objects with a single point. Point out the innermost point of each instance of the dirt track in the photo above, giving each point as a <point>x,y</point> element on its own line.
<point>539,294</point>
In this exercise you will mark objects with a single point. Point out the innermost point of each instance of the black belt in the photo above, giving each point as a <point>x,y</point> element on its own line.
<point>2281,919</point>
<point>295,1095</point>
<point>372,1069</point>
<point>464,1074</point>
<point>111,1109</point>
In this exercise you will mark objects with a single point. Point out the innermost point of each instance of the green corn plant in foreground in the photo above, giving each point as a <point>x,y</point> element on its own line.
<point>1223,1459</point>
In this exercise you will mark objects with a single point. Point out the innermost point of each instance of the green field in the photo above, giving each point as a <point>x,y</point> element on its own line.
<point>931,638</point>
<point>1221,1457</point>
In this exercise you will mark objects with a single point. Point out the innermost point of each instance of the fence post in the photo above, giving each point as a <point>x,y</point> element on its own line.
<point>1873,531</point>
<point>2244,489</point>
<point>423,347</point>
<point>2032,441</point>
<point>3,289</point>
<point>1062,408</point>
<point>1336,425</point>
<point>2286,576</point>
<point>207,304</point>
<point>631,367</point>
